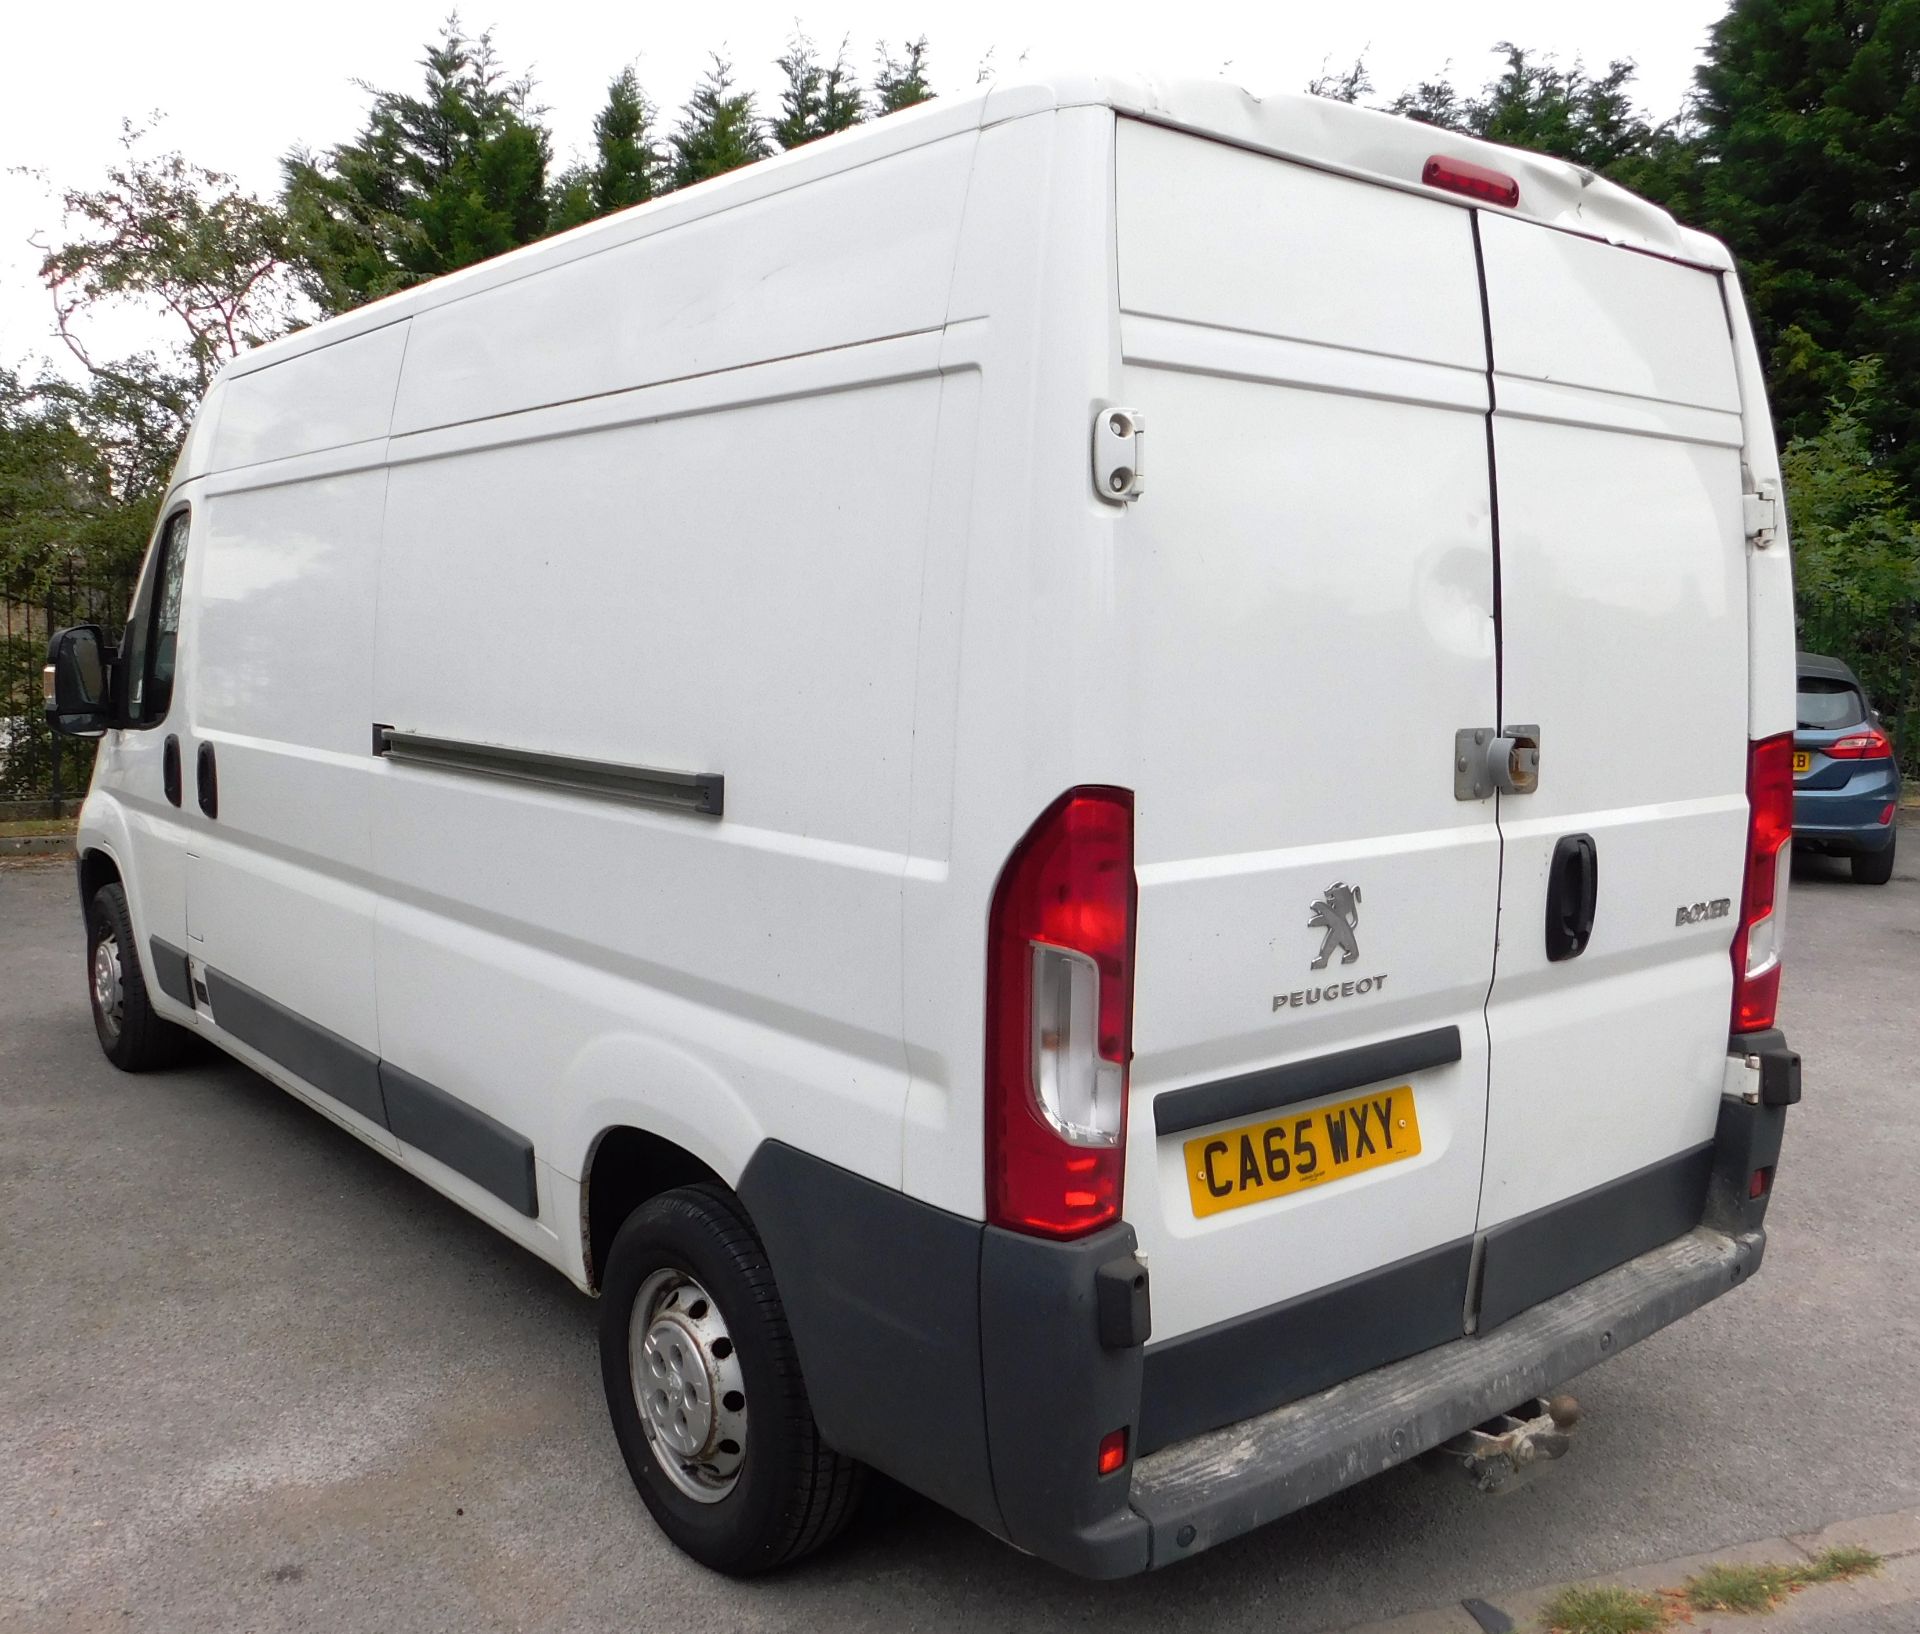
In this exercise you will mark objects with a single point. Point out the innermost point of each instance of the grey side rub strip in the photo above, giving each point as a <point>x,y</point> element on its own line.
<point>701,793</point>
<point>426,1117</point>
<point>463,1137</point>
<point>170,970</point>
<point>333,1065</point>
<point>1255,1092</point>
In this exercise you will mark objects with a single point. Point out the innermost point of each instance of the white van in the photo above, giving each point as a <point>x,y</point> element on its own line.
<point>1085,793</point>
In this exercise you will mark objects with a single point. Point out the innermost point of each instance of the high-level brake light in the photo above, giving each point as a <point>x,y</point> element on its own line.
<point>1756,940</point>
<point>1474,181</point>
<point>1060,1018</point>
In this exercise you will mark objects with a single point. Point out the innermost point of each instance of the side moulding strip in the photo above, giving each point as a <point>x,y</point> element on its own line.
<point>170,971</point>
<point>421,1114</point>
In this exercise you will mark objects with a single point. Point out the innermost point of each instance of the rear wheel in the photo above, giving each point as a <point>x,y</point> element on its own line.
<point>1874,867</point>
<point>705,1391</point>
<point>134,1038</point>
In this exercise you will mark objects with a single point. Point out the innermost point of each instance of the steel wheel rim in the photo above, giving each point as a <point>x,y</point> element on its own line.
<point>687,1385</point>
<point>109,984</point>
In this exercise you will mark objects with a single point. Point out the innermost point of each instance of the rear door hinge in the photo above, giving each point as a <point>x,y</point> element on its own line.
<point>1119,453</point>
<point>1760,514</point>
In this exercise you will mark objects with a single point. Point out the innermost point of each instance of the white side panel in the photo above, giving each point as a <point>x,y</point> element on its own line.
<point>1316,259</point>
<point>846,259</point>
<point>735,591</point>
<point>1771,676</point>
<point>323,399</point>
<point>1020,692</point>
<point>1624,638</point>
<point>282,668</point>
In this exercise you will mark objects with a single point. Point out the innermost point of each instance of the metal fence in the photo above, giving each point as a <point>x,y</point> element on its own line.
<point>42,775</point>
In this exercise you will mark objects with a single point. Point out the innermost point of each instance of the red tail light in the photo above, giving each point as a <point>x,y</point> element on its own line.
<point>1871,744</point>
<point>1475,181</point>
<point>1060,1018</point>
<point>1756,942</point>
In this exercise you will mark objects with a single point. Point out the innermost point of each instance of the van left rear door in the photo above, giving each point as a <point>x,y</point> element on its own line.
<point>1309,581</point>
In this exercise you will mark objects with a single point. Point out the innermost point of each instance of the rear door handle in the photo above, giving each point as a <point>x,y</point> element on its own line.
<point>1573,894</point>
<point>206,779</point>
<point>170,768</point>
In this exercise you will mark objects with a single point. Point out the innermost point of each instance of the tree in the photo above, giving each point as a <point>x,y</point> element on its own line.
<point>901,81</point>
<point>1856,551</point>
<point>626,169</point>
<point>176,238</point>
<point>63,505</point>
<point>1348,85</point>
<point>719,129</point>
<point>818,100</point>
<point>1535,103</point>
<point>433,182</point>
<point>1810,125</point>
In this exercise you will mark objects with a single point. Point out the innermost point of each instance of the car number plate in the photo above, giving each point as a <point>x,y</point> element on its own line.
<point>1279,1156</point>
<point>1802,760</point>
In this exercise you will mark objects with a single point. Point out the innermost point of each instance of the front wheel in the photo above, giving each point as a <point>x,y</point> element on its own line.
<point>1874,867</point>
<point>134,1038</point>
<point>705,1391</point>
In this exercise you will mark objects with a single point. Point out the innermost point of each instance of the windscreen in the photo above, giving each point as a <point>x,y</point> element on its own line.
<point>1827,705</point>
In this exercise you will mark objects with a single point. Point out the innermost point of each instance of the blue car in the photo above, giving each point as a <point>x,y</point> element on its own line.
<point>1845,782</point>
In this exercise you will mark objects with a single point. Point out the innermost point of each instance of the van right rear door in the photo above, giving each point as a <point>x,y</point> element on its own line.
<point>1623,637</point>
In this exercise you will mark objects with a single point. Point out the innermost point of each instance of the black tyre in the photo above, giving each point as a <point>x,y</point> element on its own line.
<point>1874,867</point>
<point>135,1039</point>
<point>705,1390</point>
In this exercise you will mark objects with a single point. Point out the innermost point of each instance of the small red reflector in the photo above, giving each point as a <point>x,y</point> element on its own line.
<point>1475,181</point>
<point>1113,1450</point>
<point>1762,1179</point>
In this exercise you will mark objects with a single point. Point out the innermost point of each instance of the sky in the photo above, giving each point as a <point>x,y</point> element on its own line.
<point>240,84</point>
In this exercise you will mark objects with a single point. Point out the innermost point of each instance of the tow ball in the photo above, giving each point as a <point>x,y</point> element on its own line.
<point>1494,1453</point>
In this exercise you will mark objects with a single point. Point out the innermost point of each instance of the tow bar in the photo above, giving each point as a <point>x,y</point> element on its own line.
<point>1536,1431</point>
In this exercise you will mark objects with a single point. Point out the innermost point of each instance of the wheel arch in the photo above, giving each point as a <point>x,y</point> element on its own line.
<point>96,867</point>
<point>625,1167</point>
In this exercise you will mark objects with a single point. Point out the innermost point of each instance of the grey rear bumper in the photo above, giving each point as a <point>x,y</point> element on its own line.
<point>1216,1486</point>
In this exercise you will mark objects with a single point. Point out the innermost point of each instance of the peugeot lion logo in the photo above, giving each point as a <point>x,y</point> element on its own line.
<point>1336,915</point>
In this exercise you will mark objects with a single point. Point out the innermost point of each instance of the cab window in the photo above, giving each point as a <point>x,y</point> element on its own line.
<point>153,629</point>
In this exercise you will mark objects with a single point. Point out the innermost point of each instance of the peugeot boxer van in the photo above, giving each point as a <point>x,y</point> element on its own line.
<point>995,776</point>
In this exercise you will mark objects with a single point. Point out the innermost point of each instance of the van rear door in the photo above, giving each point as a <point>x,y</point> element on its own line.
<point>1309,584</point>
<point>1622,560</point>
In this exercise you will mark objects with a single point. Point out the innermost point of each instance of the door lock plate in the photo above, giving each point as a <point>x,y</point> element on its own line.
<point>1487,761</point>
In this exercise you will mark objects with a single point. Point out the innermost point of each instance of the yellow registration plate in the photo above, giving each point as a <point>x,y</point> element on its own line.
<point>1280,1156</point>
<point>1802,759</point>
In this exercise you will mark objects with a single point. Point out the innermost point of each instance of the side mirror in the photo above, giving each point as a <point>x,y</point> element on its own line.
<point>79,698</point>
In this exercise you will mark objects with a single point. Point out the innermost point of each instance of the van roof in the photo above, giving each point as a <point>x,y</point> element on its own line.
<point>1334,136</point>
